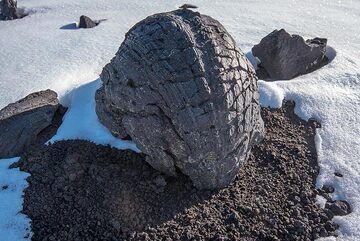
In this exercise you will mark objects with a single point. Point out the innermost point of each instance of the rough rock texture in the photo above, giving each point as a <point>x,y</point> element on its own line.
<point>22,123</point>
<point>284,56</point>
<point>86,22</point>
<point>339,207</point>
<point>8,10</point>
<point>82,191</point>
<point>188,97</point>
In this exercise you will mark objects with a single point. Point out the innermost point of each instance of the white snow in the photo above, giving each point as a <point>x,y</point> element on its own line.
<point>43,51</point>
<point>14,225</point>
<point>320,201</point>
<point>81,121</point>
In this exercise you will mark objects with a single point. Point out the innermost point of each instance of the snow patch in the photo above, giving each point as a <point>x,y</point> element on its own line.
<point>14,226</point>
<point>270,94</point>
<point>320,201</point>
<point>81,121</point>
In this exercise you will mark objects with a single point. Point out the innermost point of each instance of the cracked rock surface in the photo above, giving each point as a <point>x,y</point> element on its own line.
<point>185,94</point>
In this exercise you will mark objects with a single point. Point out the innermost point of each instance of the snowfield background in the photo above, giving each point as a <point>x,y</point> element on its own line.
<point>42,51</point>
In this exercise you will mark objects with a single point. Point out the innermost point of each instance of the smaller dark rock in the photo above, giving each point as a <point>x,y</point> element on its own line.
<point>328,189</point>
<point>233,217</point>
<point>338,207</point>
<point>338,174</point>
<point>284,56</point>
<point>160,181</point>
<point>86,22</point>
<point>299,226</point>
<point>186,6</point>
<point>313,122</point>
<point>5,187</point>
<point>331,226</point>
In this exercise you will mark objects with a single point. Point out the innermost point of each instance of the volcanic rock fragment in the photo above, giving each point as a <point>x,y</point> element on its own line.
<point>185,94</point>
<point>86,22</point>
<point>339,207</point>
<point>21,122</point>
<point>284,56</point>
<point>8,10</point>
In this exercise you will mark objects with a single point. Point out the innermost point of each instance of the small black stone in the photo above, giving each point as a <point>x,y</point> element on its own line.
<point>338,174</point>
<point>338,207</point>
<point>328,189</point>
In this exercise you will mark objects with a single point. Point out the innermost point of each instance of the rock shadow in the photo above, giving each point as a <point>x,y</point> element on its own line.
<point>70,26</point>
<point>330,53</point>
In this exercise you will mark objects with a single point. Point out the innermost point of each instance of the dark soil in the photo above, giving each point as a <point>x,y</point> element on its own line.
<point>82,191</point>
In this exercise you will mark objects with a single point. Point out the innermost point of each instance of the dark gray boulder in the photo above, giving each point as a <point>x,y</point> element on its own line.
<point>187,96</point>
<point>284,56</point>
<point>8,10</point>
<point>86,22</point>
<point>21,122</point>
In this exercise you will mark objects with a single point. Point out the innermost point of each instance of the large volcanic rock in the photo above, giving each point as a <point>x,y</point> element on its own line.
<point>8,10</point>
<point>186,95</point>
<point>284,56</point>
<point>21,122</point>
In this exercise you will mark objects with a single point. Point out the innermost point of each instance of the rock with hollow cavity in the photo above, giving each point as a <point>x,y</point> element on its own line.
<point>284,56</point>
<point>186,95</point>
<point>21,122</point>
<point>8,10</point>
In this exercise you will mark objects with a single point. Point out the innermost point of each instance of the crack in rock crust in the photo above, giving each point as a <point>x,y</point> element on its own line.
<point>186,95</point>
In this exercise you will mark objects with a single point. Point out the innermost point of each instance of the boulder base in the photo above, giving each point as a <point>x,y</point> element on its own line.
<point>187,96</point>
<point>21,122</point>
<point>284,56</point>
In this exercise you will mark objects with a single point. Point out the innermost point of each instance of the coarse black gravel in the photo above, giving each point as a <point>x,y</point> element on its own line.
<point>82,191</point>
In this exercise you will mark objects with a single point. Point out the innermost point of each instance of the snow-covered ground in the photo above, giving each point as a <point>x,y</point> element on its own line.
<point>40,51</point>
<point>13,224</point>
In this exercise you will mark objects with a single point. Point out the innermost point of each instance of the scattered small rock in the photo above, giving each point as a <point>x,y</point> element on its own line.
<point>338,207</point>
<point>331,226</point>
<point>338,174</point>
<point>86,22</point>
<point>186,6</point>
<point>328,189</point>
<point>284,56</point>
<point>233,217</point>
<point>5,187</point>
<point>160,181</point>
<point>299,226</point>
